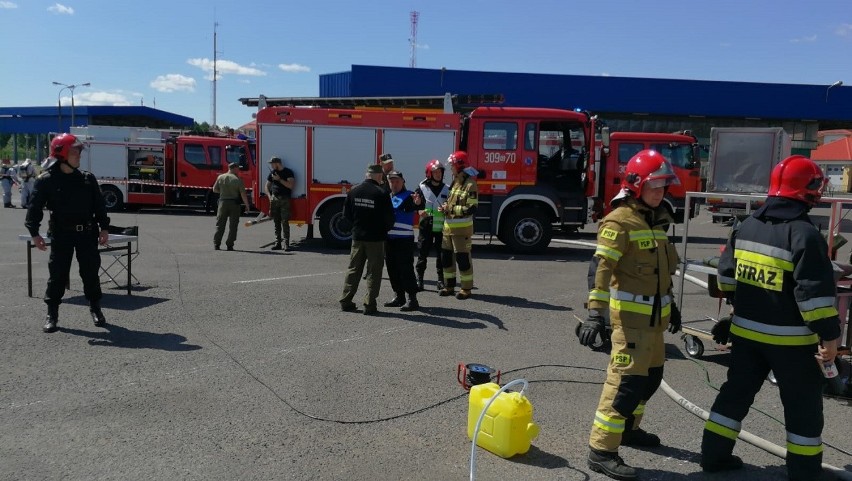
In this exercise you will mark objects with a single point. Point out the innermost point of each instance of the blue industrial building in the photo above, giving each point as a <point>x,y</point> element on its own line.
<point>627,104</point>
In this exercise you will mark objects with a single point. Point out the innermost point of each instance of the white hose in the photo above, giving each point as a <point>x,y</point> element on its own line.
<point>745,435</point>
<point>482,415</point>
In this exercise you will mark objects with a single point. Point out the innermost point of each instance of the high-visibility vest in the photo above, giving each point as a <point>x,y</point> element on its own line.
<point>403,223</point>
<point>431,202</point>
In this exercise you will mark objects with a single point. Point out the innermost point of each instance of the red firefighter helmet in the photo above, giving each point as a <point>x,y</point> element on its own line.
<point>797,177</point>
<point>648,166</point>
<point>432,166</point>
<point>62,144</point>
<point>458,159</point>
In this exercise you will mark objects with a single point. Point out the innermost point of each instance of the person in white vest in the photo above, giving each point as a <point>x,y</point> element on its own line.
<point>26,177</point>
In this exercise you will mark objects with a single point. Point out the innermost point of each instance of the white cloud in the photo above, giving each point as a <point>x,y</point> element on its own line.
<point>99,98</point>
<point>293,67</point>
<point>8,5</point>
<point>844,29</point>
<point>60,9</point>
<point>224,67</point>
<point>806,39</point>
<point>173,82</point>
<point>604,74</point>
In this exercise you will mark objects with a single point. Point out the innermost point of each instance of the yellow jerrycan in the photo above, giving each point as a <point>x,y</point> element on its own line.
<point>507,427</point>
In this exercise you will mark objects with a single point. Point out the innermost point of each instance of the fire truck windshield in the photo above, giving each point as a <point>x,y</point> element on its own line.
<point>680,155</point>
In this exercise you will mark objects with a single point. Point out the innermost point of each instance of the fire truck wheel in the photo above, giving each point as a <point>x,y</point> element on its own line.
<point>112,197</point>
<point>528,230</point>
<point>335,230</point>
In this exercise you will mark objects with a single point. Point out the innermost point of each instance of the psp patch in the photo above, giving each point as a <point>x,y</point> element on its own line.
<point>609,234</point>
<point>621,359</point>
<point>646,243</point>
<point>766,277</point>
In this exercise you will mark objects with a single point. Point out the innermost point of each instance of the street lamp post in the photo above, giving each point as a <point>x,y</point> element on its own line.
<point>835,84</point>
<point>59,99</point>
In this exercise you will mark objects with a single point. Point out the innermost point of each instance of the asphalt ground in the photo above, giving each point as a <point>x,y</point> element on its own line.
<point>240,365</point>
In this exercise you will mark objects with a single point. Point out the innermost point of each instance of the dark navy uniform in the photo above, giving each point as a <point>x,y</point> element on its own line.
<point>777,272</point>
<point>77,214</point>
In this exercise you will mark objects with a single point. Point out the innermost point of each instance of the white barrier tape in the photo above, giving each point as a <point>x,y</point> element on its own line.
<point>150,182</point>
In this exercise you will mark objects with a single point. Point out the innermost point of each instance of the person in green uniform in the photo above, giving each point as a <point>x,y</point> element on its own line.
<point>230,189</point>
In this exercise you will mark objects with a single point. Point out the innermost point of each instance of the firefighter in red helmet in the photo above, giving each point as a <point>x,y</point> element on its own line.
<point>78,222</point>
<point>434,193</point>
<point>458,226</point>
<point>777,273</point>
<point>633,281</point>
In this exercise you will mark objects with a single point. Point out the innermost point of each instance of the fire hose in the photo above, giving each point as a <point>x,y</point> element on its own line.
<point>746,436</point>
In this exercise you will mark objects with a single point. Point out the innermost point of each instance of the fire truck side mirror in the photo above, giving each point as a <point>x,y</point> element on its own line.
<point>605,136</point>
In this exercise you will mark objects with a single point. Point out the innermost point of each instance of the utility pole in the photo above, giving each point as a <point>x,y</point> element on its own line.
<point>413,39</point>
<point>215,72</point>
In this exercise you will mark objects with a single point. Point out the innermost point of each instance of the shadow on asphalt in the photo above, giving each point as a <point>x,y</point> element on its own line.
<point>117,336</point>
<point>542,459</point>
<point>118,302</point>
<point>442,316</point>
<point>519,302</point>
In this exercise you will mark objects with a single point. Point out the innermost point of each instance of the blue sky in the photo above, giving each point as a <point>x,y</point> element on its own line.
<point>159,53</point>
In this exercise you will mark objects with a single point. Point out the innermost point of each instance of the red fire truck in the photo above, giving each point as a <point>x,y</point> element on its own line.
<point>680,148</point>
<point>138,166</point>
<point>536,172</point>
<point>524,193</point>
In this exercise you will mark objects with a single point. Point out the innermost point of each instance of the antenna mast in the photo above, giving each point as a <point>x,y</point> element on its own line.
<point>215,72</point>
<point>413,40</point>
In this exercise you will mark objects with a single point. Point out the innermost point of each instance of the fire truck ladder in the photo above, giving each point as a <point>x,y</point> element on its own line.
<point>448,103</point>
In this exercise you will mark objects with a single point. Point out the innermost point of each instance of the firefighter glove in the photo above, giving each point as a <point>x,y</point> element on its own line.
<point>675,320</point>
<point>721,330</point>
<point>591,328</point>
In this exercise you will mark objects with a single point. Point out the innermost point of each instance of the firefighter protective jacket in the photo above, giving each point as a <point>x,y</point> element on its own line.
<point>776,267</point>
<point>634,275</point>
<point>464,197</point>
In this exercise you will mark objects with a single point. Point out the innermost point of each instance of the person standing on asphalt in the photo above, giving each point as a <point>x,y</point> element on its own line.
<point>633,280</point>
<point>78,222</point>
<point>26,176</point>
<point>434,193</point>
<point>776,271</point>
<point>230,189</point>
<point>458,226</point>
<point>8,179</point>
<point>279,187</point>
<point>399,249</point>
<point>368,207</point>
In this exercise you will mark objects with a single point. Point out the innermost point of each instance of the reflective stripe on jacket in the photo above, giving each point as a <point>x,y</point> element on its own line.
<point>461,204</point>
<point>634,276</point>
<point>431,202</point>
<point>780,278</point>
<point>403,225</point>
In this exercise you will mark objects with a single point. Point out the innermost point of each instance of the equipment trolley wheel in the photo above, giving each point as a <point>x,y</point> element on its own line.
<point>693,345</point>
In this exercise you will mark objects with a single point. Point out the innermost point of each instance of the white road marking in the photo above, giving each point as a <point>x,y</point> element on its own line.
<point>288,277</point>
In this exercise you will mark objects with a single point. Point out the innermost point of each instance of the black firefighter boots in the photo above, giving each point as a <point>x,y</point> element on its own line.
<point>420,286</point>
<point>611,465</point>
<point>639,438</point>
<point>726,463</point>
<point>97,315</point>
<point>52,319</point>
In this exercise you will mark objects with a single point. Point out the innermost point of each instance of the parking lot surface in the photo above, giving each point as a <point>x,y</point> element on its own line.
<point>240,365</point>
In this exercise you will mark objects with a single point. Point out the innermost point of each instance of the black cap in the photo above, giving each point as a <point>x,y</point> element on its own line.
<point>374,169</point>
<point>395,173</point>
<point>275,160</point>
